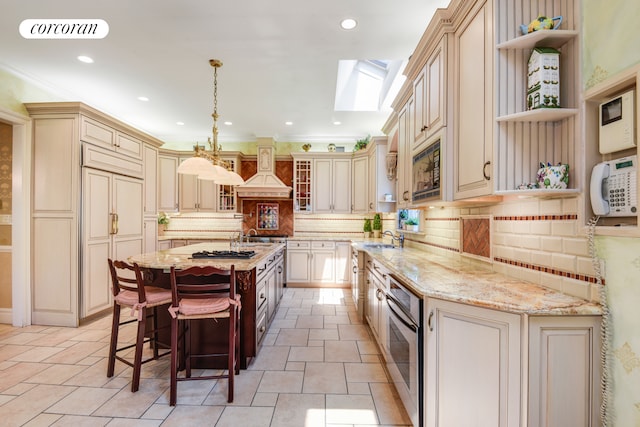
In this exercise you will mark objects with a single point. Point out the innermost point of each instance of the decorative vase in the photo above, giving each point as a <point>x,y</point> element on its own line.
<point>376,234</point>
<point>161,229</point>
<point>366,234</point>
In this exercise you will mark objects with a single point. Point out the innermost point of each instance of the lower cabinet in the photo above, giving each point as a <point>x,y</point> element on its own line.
<point>376,310</point>
<point>269,290</point>
<point>318,262</point>
<point>478,359</point>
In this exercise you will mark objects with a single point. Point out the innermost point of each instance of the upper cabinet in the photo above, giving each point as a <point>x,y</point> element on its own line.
<point>167,183</point>
<point>429,91</point>
<point>331,189</point>
<point>97,133</point>
<point>473,107</point>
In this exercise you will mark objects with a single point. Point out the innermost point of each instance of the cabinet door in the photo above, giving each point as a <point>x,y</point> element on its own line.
<point>472,362</point>
<point>564,371</point>
<point>435,95</point>
<point>418,130</point>
<point>360,182</point>
<point>129,145</point>
<point>372,303</point>
<point>167,184</point>
<point>343,263</point>
<point>404,157</point>
<point>322,185</point>
<point>341,187</point>
<point>150,181</point>
<point>207,195</point>
<point>272,300</point>
<point>473,147</point>
<point>188,193</point>
<point>150,235</point>
<point>298,267</point>
<point>323,269</point>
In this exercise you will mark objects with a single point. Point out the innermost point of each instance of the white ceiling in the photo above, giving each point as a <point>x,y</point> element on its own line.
<point>280,62</point>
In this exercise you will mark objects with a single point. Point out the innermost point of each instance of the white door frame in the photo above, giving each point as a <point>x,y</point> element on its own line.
<point>20,217</point>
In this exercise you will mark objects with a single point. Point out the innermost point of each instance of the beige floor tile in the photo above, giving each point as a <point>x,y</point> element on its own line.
<point>282,324</point>
<point>81,421</point>
<point>368,347</point>
<point>56,374</point>
<point>295,366</point>
<point>133,405</point>
<point>8,351</point>
<point>297,337</point>
<point>157,412</point>
<point>302,311</point>
<point>30,404</point>
<point>281,382</point>
<point>245,387</point>
<point>358,388</point>
<point>296,410</point>
<point>4,398</point>
<point>19,389</point>
<point>78,351</point>
<point>323,334</point>
<point>324,378</point>
<point>37,354</point>
<point>19,373</point>
<point>43,420</point>
<point>270,358</point>
<point>96,375</point>
<point>254,416</point>
<point>20,338</point>
<point>265,399</point>
<point>388,405</point>
<point>351,409</point>
<point>186,415</point>
<point>306,354</point>
<point>82,401</point>
<point>133,422</point>
<point>313,321</point>
<point>354,332</point>
<point>323,310</point>
<point>341,351</point>
<point>340,319</point>
<point>365,373</point>
<point>269,339</point>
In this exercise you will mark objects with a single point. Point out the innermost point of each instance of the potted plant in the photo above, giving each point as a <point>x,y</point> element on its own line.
<point>377,226</point>
<point>402,217</point>
<point>367,228</point>
<point>411,224</point>
<point>163,220</point>
<point>361,144</point>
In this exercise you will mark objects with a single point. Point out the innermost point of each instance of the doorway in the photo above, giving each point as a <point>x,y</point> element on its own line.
<point>15,279</point>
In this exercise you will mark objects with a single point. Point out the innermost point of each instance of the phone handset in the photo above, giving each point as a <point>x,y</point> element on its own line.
<point>598,189</point>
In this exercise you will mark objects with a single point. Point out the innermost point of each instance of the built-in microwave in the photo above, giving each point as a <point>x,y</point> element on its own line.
<point>617,123</point>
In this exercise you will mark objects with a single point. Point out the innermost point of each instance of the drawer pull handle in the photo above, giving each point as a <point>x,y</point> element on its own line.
<point>484,170</point>
<point>429,324</point>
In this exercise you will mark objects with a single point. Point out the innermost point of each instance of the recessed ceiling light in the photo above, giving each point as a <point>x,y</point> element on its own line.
<point>143,98</point>
<point>288,123</point>
<point>348,24</point>
<point>228,123</point>
<point>337,123</point>
<point>85,59</point>
<point>180,123</point>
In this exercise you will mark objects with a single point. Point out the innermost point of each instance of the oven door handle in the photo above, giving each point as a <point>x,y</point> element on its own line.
<point>399,316</point>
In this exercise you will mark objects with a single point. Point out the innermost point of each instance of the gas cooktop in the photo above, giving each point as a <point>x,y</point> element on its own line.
<point>223,254</point>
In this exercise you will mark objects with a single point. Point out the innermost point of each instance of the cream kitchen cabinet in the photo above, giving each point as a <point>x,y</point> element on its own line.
<point>331,185</point>
<point>78,186</point>
<point>112,228</point>
<point>103,135</point>
<point>302,178</point>
<point>472,361</point>
<point>298,261</point>
<point>323,262</point>
<point>150,205</point>
<point>475,358</point>
<point>473,110</point>
<point>360,184</point>
<point>403,171</point>
<point>318,262</point>
<point>376,311</point>
<point>167,183</point>
<point>196,195</point>
<point>343,263</point>
<point>430,96</point>
<point>378,183</point>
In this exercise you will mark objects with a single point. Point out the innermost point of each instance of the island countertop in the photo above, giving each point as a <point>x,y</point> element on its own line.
<point>180,257</point>
<point>433,276</point>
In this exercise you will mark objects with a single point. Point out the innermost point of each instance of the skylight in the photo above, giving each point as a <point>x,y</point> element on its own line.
<point>368,85</point>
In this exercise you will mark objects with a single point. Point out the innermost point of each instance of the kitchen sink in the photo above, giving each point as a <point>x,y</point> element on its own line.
<point>378,246</point>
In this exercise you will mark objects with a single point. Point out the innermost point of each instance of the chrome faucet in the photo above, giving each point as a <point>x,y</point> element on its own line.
<point>255,233</point>
<point>399,238</point>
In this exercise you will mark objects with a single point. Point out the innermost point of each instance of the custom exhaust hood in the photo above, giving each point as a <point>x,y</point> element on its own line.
<point>264,184</point>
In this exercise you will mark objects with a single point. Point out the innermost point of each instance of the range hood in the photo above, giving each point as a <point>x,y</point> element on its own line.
<point>264,184</point>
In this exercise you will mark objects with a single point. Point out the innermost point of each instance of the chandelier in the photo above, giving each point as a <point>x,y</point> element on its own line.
<point>207,164</point>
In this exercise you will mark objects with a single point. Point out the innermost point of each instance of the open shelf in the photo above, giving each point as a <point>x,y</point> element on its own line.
<point>539,115</point>
<point>545,38</point>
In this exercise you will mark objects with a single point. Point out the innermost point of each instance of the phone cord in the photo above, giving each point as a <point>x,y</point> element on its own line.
<point>604,330</point>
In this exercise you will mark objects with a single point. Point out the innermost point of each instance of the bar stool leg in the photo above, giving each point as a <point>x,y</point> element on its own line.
<point>115,327</point>
<point>174,362</point>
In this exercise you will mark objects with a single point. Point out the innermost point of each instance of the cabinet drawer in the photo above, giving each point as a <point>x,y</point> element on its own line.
<point>95,132</point>
<point>261,325</point>
<point>106,160</point>
<point>323,245</point>
<point>261,294</point>
<point>298,244</point>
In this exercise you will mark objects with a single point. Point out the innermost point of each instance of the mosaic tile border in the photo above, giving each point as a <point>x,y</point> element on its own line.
<point>565,217</point>
<point>549,270</point>
<point>442,219</point>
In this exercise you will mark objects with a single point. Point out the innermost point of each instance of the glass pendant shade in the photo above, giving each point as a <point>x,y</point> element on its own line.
<point>196,166</point>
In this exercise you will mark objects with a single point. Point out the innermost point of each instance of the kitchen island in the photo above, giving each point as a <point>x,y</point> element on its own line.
<point>259,280</point>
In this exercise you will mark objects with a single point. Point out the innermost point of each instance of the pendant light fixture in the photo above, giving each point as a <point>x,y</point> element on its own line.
<point>208,165</point>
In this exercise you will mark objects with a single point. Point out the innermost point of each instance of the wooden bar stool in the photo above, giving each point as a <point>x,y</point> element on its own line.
<point>203,293</point>
<point>129,291</point>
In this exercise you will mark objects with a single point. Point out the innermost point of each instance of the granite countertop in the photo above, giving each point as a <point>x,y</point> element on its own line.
<point>435,276</point>
<point>181,257</point>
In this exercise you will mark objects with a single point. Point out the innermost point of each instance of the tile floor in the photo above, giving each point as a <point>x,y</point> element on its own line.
<point>318,366</point>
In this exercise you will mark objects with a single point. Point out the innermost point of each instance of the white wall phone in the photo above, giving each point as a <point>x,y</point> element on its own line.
<point>613,187</point>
